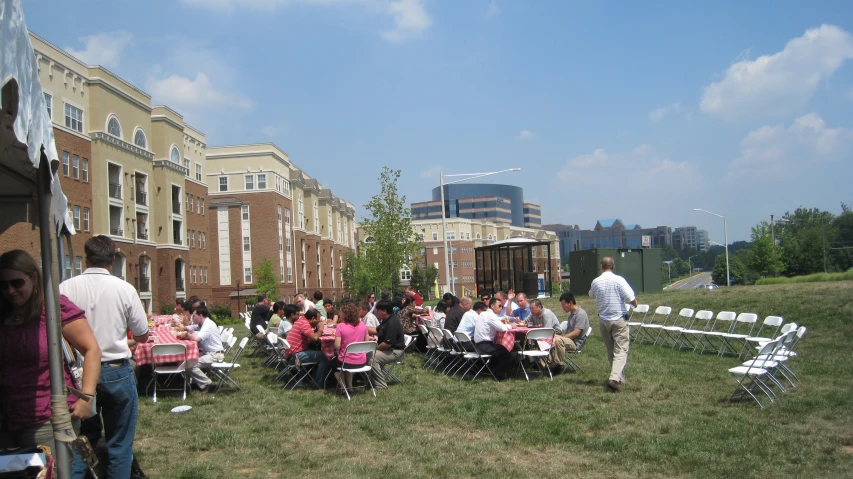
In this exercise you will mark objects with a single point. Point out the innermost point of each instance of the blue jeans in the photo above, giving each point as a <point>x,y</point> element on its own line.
<point>117,403</point>
<point>322,367</point>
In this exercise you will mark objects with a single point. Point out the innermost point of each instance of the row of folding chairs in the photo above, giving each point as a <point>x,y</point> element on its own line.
<point>703,332</point>
<point>768,372</point>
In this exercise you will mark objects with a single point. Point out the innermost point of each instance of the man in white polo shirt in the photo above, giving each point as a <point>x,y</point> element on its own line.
<point>210,348</point>
<point>112,308</point>
<point>611,293</point>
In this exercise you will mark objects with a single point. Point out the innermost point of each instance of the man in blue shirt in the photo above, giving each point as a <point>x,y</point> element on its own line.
<point>522,311</point>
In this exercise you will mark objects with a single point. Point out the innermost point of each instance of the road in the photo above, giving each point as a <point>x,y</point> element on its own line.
<point>691,282</point>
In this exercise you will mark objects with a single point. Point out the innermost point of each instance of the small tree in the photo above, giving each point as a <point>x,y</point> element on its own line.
<point>763,256</point>
<point>266,281</point>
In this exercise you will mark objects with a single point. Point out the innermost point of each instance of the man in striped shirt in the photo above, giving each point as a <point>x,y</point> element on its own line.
<point>611,292</point>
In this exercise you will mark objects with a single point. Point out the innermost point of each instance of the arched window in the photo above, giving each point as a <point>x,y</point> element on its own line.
<point>113,127</point>
<point>369,239</point>
<point>175,156</point>
<point>139,138</point>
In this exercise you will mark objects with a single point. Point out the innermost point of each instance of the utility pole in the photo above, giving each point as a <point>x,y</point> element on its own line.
<point>773,237</point>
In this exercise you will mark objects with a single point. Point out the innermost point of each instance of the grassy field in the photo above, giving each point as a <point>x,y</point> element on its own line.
<point>811,278</point>
<point>672,420</point>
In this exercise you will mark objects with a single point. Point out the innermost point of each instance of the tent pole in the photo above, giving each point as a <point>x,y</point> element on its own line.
<point>51,310</point>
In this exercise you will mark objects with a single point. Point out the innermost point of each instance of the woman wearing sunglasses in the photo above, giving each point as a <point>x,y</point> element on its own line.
<point>24,372</point>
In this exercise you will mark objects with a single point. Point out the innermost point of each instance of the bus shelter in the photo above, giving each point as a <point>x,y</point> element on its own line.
<point>513,264</point>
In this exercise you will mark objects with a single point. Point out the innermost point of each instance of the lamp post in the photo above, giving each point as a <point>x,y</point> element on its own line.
<point>467,176</point>
<point>726,233</point>
<point>691,263</point>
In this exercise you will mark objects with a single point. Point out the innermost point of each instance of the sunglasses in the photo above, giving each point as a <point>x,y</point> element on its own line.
<point>16,283</point>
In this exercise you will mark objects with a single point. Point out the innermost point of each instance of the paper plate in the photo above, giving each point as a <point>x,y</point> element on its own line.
<point>182,409</point>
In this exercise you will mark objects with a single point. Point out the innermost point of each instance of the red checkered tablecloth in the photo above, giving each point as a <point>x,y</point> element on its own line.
<point>507,339</point>
<point>161,320</point>
<point>165,336</point>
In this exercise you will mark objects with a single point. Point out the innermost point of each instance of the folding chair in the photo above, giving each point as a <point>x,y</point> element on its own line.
<point>441,349</point>
<point>388,370</point>
<point>569,362</point>
<point>772,321</point>
<point>223,370</point>
<point>221,328</point>
<point>721,325</point>
<point>229,344</point>
<point>169,370</point>
<point>786,352</point>
<point>673,331</point>
<point>703,318</point>
<point>735,339</point>
<point>751,377</point>
<point>633,324</point>
<point>473,356</point>
<point>454,352</point>
<point>773,363</point>
<point>533,339</point>
<point>652,325</point>
<point>367,347</point>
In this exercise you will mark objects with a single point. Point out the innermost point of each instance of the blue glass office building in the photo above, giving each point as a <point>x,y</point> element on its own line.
<point>502,204</point>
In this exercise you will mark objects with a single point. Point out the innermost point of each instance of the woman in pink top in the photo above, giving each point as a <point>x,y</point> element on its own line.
<point>24,372</point>
<point>350,330</point>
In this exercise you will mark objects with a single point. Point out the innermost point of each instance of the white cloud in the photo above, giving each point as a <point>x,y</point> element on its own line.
<point>493,9</point>
<point>775,152</point>
<point>659,113</point>
<point>195,94</point>
<point>641,166</point>
<point>410,19</point>
<point>273,131</point>
<point>430,173</point>
<point>773,85</point>
<point>525,135</point>
<point>103,49</point>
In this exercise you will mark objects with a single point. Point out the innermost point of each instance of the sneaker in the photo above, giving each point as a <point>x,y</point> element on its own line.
<point>558,369</point>
<point>614,386</point>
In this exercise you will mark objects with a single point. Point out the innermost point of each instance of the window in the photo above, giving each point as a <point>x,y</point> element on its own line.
<point>301,213</point>
<point>68,266</point>
<point>113,127</point>
<point>451,235</point>
<point>202,240</point>
<point>245,211</point>
<point>478,236</point>
<point>202,207</point>
<point>75,167</point>
<point>197,172</point>
<point>78,265</point>
<point>247,275</point>
<point>467,236</point>
<point>205,275</point>
<point>66,162</point>
<point>262,182</point>
<point>223,183</point>
<point>316,217</point>
<point>85,219</point>
<point>187,164</point>
<point>192,274</point>
<point>434,236</point>
<point>405,274</point>
<point>435,251</point>
<point>190,205</point>
<point>139,139</point>
<point>48,100</point>
<point>247,245</point>
<point>175,155</point>
<point>76,217</point>
<point>73,118</point>
<point>192,238</point>
<point>84,167</point>
<point>250,182</point>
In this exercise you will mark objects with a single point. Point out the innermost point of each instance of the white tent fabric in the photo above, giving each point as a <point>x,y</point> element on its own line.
<point>33,130</point>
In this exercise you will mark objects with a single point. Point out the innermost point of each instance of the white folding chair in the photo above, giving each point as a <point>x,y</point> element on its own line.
<point>223,370</point>
<point>758,342</point>
<point>735,339</point>
<point>169,370</point>
<point>702,318</point>
<point>786,352</point>
<point>721,325</point>
<point>773,363</point>
<point>366,347</point>
<point>673,331</point>
<point>441,350</point>
<point>751,377</point>
<point>652,326</point>
<point>634,323</point>
<point>569,362</point>
<point>229,344</point>
<point>531,349</point>
<point>473,356</point>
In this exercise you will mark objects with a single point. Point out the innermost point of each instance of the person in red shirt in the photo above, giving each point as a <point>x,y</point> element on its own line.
<point>414,296</point>
<point>305,331</point>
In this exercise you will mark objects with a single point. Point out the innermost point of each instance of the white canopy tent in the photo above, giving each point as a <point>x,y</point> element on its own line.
<point>30,190</point>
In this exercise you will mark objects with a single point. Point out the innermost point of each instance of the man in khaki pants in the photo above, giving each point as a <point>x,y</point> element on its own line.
<point>611,292</point>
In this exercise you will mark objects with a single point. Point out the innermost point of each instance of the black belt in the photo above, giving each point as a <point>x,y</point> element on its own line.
<point>117,362</point>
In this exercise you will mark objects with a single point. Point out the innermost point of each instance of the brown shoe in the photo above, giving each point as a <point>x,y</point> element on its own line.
<point>614,386</point>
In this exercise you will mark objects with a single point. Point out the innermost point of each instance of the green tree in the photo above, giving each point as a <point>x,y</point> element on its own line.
<point>737,269</point>
<point>842,248</point>
<point>423,280</point>
<point>763,256</point>
<point>266,281</point>
<point>389,242</point>
<point>805,236</point>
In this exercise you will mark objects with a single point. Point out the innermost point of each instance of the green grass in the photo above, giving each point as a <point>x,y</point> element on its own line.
<point>811,278</point>
<point>672,420</point>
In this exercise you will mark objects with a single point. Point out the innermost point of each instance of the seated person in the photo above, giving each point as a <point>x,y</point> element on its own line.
<point>318,301</point>
<point>350,330</point>
<point>469,319</point>
<point>259,316</point>
<point>484,337</point>
<point>522,312</point>
<point>307,330</point>
<point>210,349</point>
<point>367,317</point>
<point>506,305</point>
<point>290,314</point>
<point>182,320</point>
<point>276,318</point>
<point>454,313</point>
<point>331,313</point>
<point>573,337</point>
<point>439,315</point>
<point>390,342</point>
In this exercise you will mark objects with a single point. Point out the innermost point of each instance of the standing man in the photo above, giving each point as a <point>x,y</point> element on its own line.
<point>573,337</point>
<point>260,314</point>
<point>390,342</point>
<point>611,293</point>
<point>112,308</point>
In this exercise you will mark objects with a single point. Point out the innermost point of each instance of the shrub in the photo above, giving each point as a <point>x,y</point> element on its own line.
<point>220,313</point>
<point>167,309</point>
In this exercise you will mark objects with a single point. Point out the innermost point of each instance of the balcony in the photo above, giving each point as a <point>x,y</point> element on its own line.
<point>141,198</point>
<point>115,190</point>
<point>176,207</point>
<point>142,234</point>
<point>143,285</point>
<point>179,284</point>
<point>116,231</point>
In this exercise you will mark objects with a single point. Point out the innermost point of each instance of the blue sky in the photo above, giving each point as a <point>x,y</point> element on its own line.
<point>635,110</point>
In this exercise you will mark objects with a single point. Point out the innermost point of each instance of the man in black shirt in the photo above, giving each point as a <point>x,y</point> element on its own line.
<point>454,314</point>
<point>260,316</point>
<point>391,343</point>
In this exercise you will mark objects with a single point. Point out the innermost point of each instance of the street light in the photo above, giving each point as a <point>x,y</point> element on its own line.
<point>691,263</point>
<point>726,233</point>
<point>469,176</point>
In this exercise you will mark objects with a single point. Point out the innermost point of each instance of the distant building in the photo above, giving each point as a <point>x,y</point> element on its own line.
<point>610,233</point>
<point>499,204</point>
<point>691,237</point>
